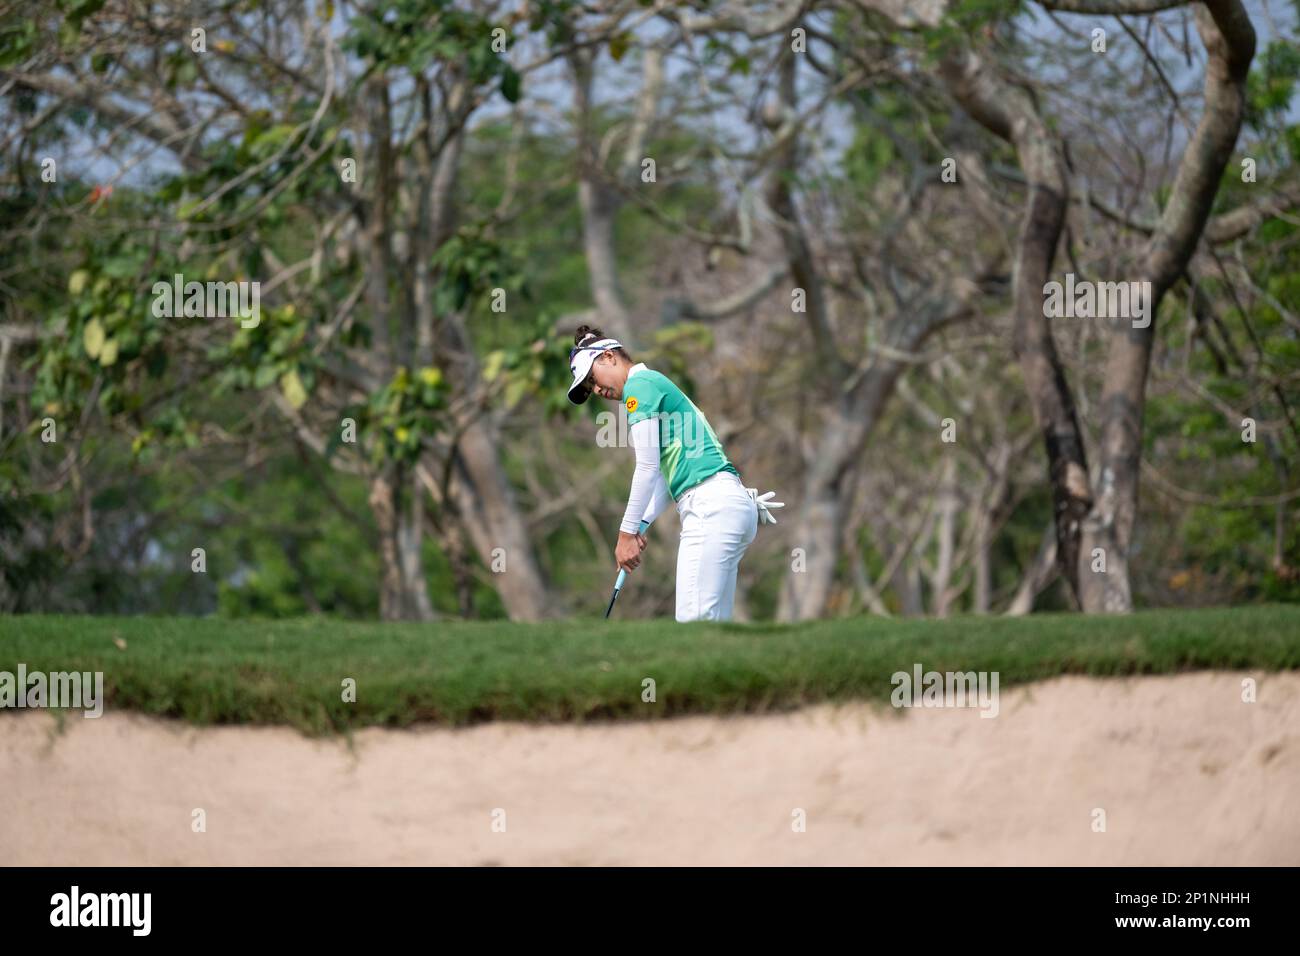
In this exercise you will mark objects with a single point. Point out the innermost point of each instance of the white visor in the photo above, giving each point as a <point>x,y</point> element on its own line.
<point>580,362</point>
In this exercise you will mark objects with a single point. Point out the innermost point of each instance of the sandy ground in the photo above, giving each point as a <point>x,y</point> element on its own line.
<point>1186,773</point>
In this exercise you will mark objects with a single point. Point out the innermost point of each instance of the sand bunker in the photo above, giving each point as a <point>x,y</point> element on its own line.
<point>1186,773</point>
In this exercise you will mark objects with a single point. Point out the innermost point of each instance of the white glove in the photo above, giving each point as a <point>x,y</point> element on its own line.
<point>764,515</point>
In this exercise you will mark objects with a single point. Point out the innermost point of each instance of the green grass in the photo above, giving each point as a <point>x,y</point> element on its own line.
<point>210,671</point>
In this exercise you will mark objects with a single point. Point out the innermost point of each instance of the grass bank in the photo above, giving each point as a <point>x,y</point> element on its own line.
<point>208,671</point>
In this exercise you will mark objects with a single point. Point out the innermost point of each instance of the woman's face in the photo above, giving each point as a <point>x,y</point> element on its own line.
<point>607,377</point>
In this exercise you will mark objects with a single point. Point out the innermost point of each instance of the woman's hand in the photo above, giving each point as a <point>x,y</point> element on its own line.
<point>627,553</point>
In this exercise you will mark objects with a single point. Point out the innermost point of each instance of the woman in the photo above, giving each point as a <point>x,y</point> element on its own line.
<point>678,456</point>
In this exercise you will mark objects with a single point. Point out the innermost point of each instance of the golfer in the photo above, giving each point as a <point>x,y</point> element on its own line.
<point>678,456</point>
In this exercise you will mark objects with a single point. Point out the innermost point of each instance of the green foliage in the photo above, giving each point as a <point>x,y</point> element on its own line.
<point>518,371</point>
<point>884,115</point>
<point>274,352</point>
<point>869,156</point>
<point>1225,549</point>
<point>552,17</point>
<point>27,568</point>
<point>965,19</point>
<point>111,337</point>
<point>401,415</point>
<point>286,555</point>
<point>1270,87</point>
<point>718,48</point>
<point>471,263</point>
<point>415,34</point>
<point>18,39</point>
<point>543,237</point>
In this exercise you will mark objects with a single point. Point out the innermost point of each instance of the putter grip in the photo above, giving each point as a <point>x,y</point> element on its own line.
<point>622,575</point>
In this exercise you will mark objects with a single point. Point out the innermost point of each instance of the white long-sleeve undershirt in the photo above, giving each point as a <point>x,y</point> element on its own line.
<point>649,495</point>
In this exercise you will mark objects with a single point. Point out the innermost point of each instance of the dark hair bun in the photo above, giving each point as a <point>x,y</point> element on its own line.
<point>586,333</point>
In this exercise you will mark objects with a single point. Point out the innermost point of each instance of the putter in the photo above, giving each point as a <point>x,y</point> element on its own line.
<point>622,576</point>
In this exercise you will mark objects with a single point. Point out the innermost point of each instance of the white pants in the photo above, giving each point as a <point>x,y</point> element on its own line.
<point>719,519</point>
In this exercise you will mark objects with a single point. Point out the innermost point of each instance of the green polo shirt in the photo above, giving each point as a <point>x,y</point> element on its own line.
<point>689,451</point>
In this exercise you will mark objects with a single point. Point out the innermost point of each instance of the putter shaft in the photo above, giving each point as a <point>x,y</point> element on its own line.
<point>622,576</point>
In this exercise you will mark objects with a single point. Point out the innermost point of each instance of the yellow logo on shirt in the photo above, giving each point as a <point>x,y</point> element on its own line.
<point>631,405</point>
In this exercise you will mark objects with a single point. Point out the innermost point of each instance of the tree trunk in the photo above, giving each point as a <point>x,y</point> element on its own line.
<point>983,576</point>
<point>1041,572</point>
<point>598,200</point>
<point>1229,42</point>
<point>486,505</point>
<point>599,206</point>
<point>909,589</point>
<point>398,509</point>
<point>816,532</point>
<point>1009,111</point>
<point>945,534</point>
